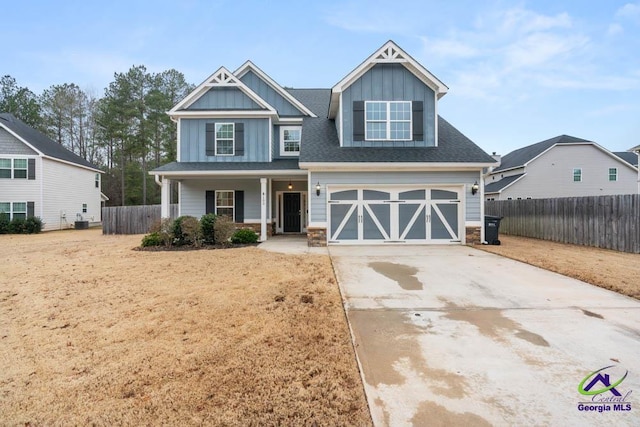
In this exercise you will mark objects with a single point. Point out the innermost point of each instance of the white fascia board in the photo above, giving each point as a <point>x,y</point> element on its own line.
<point>66,162</point>
<point>21,139</point>
<point>195,94</point>
<point>389,166</point>
<point>294,121</point>
<point>229,173</point>
<point>250,66</point>
<point>213,114</point>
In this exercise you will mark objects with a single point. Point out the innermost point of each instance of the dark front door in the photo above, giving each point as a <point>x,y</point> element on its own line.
<point>291,211</point>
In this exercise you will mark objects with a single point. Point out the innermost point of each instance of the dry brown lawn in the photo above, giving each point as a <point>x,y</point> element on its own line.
<point>617,271</point>
<point>92,332</point>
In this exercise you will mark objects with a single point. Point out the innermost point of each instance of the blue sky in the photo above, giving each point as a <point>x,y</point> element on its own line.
<point>518,72</point>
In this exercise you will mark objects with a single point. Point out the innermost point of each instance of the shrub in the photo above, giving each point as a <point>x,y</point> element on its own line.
<point>32,225</point>
<point>4,223</point>
<point>223,229</point>
<point>16,226</point>
<point>207,228</point>
<point>190,228</point>
<point>163,228</point>
<point>244,236</point>
<point>153,239</point>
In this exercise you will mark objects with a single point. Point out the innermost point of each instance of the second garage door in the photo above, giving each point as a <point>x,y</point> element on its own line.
<point>395,215</point>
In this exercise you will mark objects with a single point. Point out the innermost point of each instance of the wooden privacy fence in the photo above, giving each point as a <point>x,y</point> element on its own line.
<point>132,219</point>
<point>610,222</point>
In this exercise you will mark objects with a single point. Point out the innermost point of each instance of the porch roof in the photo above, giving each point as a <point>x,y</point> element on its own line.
<point>275,165</point>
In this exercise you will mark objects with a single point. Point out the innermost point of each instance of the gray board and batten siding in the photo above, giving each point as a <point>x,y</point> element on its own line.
<point>318,204</point>
<point>389,82</point>
<point>193,141</point>
<point>193,195</point>
<point>609,222</point>
<point>9,144</point>
<point>224,98</point>
<point>267,93</point>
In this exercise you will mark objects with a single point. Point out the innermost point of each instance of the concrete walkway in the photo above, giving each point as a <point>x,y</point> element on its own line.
<point>449,335</point>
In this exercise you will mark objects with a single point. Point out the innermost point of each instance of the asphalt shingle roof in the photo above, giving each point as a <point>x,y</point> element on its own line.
<point>494,187</point>
<point>320,140</point>
<point>628,156</point>
<point>523,155</point>
<point>279,164</point>
<point>41,142</point>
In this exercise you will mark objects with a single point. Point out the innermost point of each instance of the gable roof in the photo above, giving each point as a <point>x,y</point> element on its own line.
<point>250,66</point>
<point>41,143</point>
<point>320,142</point>
<point>628,156</point>
<point>524,155</point>
<point>498,186</point>
<point>389,53</point>
<point>221,78</point>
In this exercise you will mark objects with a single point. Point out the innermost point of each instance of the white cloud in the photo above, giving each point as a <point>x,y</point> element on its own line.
<point>630,11</point>
<point>615,29</point>
<point>449,48</point>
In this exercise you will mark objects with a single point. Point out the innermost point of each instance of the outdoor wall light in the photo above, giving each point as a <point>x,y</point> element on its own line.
<point>318,188</point>
<point>474,188</point>
<point>290,186</point>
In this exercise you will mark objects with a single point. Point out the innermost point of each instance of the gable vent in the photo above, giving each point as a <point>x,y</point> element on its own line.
<point>390,54</point>
<point>224,77</point>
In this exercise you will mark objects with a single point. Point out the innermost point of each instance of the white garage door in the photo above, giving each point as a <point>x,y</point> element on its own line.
<point>395,215</point>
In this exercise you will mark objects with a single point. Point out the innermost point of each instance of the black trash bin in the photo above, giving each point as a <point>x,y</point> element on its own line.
<point>491,228</point>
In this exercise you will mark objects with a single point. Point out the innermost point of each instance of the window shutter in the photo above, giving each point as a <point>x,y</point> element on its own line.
<point>30,209</point>
<point>418,120</point>
<point>210,139</point>
<point>239,206</point>
<point>210,206</point>
<point>239,139</point>
<point>358,120</point>
<point>31,169</point>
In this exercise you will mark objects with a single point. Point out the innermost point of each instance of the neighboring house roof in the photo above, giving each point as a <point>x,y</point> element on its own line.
<point>320,142</point>
<point>628,156</point>
<point>40,142</point>
<point>524,155</point>
<point>275,165</point>
<point>498,186</point>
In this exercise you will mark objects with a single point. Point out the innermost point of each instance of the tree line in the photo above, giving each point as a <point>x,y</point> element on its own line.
<point>125,132</point>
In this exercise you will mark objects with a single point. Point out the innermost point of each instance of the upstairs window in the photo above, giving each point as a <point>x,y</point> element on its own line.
<point>613,174</point>
<point>577,175</point>
<point>20,168</point>
<point>224,139</point>
<point>97,180</point>
<point>224,203</point>
<point>388,120</point>
<point>290,137</point>
<point>5,168</point>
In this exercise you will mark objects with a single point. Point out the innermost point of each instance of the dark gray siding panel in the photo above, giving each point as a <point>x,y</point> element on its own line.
<point>273,98</point>
<point>31,169</point>
<point>224,98</point>
<point>9,144</point>
<point>389,82</point>
<point>193,141</point>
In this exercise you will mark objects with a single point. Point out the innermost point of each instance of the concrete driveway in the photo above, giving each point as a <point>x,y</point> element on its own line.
<point>450,335</point>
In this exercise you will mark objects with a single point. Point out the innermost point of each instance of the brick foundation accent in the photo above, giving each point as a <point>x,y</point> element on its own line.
<point>316,237</point>
<point>255,227</point>
<point>473,235</point>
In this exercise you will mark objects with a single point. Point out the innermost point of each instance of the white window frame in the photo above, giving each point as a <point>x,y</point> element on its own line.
<point>233,138</point>
<point>10,168</point>
<point>84,208</point>
<point>97,180</point>
<point>579,172</point>
<point>25,169</point>
<point>6,212</point>
<point>12,210</point>
<point>388,121</point>
<point>615,174</point>
<point>282,150</point>
<point>233,201</point>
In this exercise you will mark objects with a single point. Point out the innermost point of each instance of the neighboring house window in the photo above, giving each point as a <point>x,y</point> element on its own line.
<point>5,210</point>
<point>19,210</point>
<point>97,180</point>
<point>224,139</point>
<point>577,175</point>
<point>388,120</point>
<point>613,174</point>
<point>20,168</point>
<point>5,168</point>
<point>224,203</point>
<point>84,208</point>
<point>290,140</point>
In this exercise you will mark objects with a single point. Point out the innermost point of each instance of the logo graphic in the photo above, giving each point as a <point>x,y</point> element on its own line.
<point>604,392</point>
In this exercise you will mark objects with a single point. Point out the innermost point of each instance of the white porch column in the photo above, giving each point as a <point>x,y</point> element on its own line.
<point>263,209</point>
<point>165,198</point>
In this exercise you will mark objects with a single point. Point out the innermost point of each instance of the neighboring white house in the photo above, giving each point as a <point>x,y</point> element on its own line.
<point>39,177</point>
<point>564,166</point>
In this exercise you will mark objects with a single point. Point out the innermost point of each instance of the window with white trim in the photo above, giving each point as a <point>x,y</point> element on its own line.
<point>225,203</point>
<point>613,174</point>
<point>290,137</point>
<point>84,208</point>
<point>5,210</point>
<point>97,180</point>
<point>387,120</point>
<point>20,168</point>
<point>577,175</point>
<point>19,210</point>
<point>224,139</point>
<point>5,168</point>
